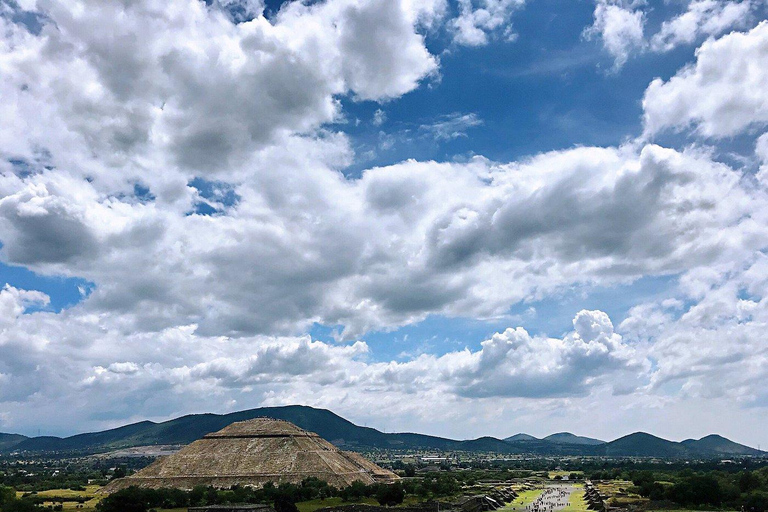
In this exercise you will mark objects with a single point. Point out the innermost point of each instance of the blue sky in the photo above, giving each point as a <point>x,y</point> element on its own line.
<point>522,211</point>
<point>549,89</point>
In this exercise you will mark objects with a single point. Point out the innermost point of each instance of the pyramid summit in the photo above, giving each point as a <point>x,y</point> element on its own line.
<point>260,427</point>
<point>252,453</point>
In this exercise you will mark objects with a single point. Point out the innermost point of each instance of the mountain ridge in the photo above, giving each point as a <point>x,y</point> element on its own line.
<point>521,437</point>
<point>344,433</point>
<point>568,438</point>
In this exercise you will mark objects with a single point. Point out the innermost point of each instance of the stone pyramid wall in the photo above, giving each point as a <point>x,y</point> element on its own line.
<point>252,453</point>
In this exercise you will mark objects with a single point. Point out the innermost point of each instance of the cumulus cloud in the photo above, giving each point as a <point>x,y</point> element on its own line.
<point>120,120</point>
<point>480,19</point>
<point>513,363</point>
<point>715,348</point>
<point>182,85</point>
<point>702,18</point>
<point>13,302</point>
<point>620,26</point>
<point>721,94</point>
<point>761,151</point>
<point>389,248</point>
<point>181,364</point>
<point>401,242</point>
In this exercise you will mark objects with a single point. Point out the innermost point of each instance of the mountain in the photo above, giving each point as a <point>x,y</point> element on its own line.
<point>189,428</point>
<point>347,435</point>
<point>568,438</point>
<point>521,437</point>
<point>718,445</point>
<point>485,444</point>
<point>641,444</point>
<point>8,441</point>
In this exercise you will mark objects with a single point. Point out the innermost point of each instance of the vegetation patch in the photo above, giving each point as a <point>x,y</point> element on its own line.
<point>523,499</point>
<point>576,503</point>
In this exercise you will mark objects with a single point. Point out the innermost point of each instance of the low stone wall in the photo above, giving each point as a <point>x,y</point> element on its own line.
<point>595,501</point>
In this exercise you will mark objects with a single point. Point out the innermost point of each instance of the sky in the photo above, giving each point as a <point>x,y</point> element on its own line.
<point>456,217</point>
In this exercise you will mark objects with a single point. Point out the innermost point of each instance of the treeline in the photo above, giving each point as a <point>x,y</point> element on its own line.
<point>45,474</point>
<point>283,497</point>
<point>744,490</point>
<point>9,502</point>
<point>37,482</point>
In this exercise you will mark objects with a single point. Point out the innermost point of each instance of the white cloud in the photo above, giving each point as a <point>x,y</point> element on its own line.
<point>480,19</point>
<point>399,243</point>
<point>13,302</point>
<point>452,126</point>
<point>180,364</point>
<point>715,348</point>
<point>109,97</point>
<point>620,25</point>
<point>143,86</point>
<point>761,151</point>
<point>721,94</point>
<point>379,117</point>
<point>702,18</point>
<point>388,249</point>
<point>513,363</point>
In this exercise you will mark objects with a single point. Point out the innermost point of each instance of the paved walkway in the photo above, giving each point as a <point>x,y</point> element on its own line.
<point>554,498</point>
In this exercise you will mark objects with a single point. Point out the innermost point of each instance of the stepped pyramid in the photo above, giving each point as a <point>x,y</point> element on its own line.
<point>252,453</point>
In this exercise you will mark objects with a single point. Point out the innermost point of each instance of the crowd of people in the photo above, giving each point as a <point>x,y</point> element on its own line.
<point>551,499</point>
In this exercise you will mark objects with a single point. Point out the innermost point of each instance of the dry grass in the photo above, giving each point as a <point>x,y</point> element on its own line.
<point>87,506</point>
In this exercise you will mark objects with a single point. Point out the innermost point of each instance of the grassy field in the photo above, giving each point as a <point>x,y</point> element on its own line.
<point>522,500</point>
<point>87,506</point>
<point>611,487</point>
<point>576,503</point>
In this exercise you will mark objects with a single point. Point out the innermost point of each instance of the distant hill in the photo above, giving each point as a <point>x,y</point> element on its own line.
<point>521,437</point>
<point>189,428</point>
<point>347,435</point>
<point>486,444</point>
<point>568,438</point>
<point>641,444</point>
<point>10,440</point>
<point>718,445</point>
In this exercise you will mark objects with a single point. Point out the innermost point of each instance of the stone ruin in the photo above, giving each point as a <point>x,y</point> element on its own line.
<point>595,500</point>
<point>252,453</point>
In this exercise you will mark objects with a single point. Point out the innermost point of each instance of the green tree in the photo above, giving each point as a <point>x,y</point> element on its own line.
<point>20,506</point>
<point>749,481</point>
<point>131,499</point>
<point>756,501</point>
<point>285,503</point>
<point>390,495</point>
<point>7,494</point>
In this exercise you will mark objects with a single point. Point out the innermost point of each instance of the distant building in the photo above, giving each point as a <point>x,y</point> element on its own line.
<point>435,460</point>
